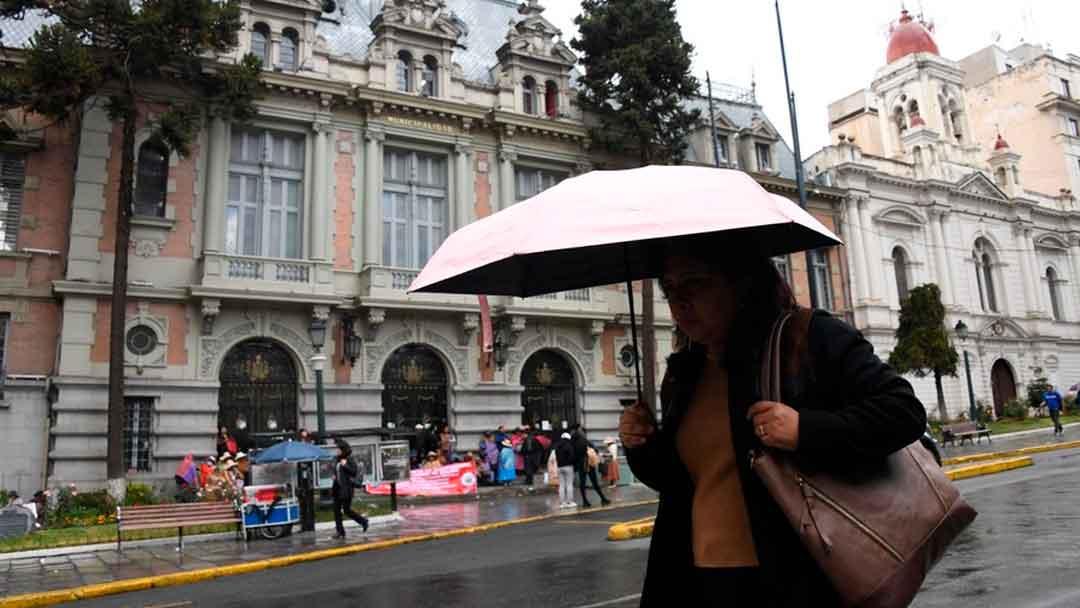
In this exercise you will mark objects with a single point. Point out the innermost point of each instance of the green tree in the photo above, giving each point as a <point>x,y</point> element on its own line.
<point>636,83</point>
<point>923,346</point>
<point>150,61</point>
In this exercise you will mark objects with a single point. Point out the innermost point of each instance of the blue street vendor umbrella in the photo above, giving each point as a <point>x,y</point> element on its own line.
<point>290,451</point>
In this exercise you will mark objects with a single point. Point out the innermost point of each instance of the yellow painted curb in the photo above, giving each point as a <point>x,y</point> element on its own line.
<point>49,598</point>
<point>989,468</point>
<point>639,528</point>
<point>1068,445</point>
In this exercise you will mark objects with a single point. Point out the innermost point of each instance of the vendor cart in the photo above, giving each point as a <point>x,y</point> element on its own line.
<point>270,506</point>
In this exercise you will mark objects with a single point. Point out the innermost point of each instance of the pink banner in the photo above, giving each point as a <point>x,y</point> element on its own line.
<point>450,480</point>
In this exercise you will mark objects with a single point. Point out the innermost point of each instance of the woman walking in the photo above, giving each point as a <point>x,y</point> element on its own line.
<point>719,536</point>
<point>344,481</point>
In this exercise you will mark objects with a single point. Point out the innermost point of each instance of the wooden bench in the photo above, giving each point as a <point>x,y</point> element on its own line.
<point>963,431</point>
<point>179,516</point>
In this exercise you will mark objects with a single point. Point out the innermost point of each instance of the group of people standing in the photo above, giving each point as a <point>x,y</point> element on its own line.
<point>574,455</point>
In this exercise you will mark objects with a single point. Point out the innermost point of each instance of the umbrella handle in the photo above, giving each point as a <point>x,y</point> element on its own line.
<point>633,323</point>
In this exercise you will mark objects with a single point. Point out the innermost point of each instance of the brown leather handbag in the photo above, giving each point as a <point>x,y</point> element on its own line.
<point>875,534</point>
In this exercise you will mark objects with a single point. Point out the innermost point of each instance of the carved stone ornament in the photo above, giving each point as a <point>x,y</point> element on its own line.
<point>470,323</point>
<point>421,14</point>
<point>375,318</point>
<point>146,248</point>
<point>536,36</point>
<point>211,308</point>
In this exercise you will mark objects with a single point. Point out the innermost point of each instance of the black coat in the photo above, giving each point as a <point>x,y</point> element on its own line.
<point>852,408</point>
<point>344,479</point>
<point>581,450</point>
<point>564,452</point>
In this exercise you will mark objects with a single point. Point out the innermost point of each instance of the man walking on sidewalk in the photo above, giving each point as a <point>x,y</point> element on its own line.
<point>1052,401</point>
<point>585,464</point>
<point>344,481</point>
<point>564,459</point>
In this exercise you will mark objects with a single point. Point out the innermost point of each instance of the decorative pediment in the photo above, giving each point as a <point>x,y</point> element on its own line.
<point>536,37</point>
<point>1052,241</point>
<point>979,184</point>
<point>427,15</point>
<point>761,128</point>
<point>1002,327</point>
<point>900,216</point>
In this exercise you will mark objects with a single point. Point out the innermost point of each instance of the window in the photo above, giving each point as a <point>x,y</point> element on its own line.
<point>1055,296</point>
<point>1074,127</point>
<point>999,176</point>
<point>12,170</point>
<point>722,146</point>
<point>290,42</point>
<point>764,157</point>
<point>984,276</point>
<point>403,67</point>
<point>900,268</point>
<point>152,178</point>
<point>137,433</point>
<point>429,76</point>
<point>528,95</point>
<point>266,178</point>
<point>1066,89</point>
<point>5,321</point>
<point>551,99</point>
<point>956,117</point>
<point>819,261</point>
<point>783,266</point>
<point>531,181</point>
<point>260,43</point>
<point>414,207</point>
<point>141,340</point>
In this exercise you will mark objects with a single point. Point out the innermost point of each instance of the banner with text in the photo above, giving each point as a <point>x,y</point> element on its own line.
<point>450,480</point>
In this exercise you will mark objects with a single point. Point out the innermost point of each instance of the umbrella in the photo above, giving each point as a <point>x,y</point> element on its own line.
<point>290,451</point>
<point>606,227</point>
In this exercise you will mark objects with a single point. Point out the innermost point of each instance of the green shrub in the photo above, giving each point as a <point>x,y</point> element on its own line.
<point>75,508</point>
<point>4,497</point>
<point>1035,392</point>
<point>1069,405</point>
<point>139,494</point>
<point>1014,408</point>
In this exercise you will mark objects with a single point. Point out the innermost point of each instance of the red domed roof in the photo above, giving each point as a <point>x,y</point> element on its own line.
<point>909,36</point>
<point>1000,144</point>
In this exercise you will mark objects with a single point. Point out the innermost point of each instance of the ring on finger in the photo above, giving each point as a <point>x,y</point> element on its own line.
<point>761,430</point>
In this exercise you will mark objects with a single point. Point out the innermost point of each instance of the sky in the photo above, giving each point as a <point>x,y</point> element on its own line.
<point>835,47</point>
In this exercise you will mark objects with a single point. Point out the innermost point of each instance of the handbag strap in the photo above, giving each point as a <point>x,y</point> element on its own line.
<point>770,376</point>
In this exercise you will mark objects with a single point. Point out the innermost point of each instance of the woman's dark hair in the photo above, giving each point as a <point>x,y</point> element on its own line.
<point>767,292</point>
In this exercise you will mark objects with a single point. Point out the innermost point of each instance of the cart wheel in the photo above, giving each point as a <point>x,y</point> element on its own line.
<point>274,532</point>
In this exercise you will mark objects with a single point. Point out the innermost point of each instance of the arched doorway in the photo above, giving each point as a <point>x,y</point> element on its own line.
<point>1004,385</point>
<point>550,391</point>
<point>414,388</point>
<point>259,390</point>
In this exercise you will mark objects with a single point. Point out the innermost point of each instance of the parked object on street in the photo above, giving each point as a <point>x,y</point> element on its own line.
<point>964,431</point>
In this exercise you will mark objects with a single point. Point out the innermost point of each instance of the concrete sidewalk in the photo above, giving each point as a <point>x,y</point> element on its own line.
<point>29,573</point>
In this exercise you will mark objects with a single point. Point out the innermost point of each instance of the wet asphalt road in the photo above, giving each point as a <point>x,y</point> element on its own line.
<point>1023,551</point>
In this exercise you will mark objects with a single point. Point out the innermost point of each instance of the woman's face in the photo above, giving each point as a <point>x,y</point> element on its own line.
<point>224,432</point>
<point>702,301</point>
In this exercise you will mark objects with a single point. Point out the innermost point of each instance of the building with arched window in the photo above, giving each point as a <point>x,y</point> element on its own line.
<point>936,196</point>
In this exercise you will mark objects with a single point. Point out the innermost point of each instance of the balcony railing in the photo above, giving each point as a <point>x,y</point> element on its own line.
<point>262,274</point>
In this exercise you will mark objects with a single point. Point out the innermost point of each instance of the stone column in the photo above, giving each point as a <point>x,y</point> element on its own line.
<point>872,254</point>
<point>217,180</point>
<point>372,205</point>
<point>506,178</point>
<point>858,251</point>
<point>319,220</point>
<point>1024,269</point>
<point>462,200</point>
<point>948,274</point>
<point>1041,295</point>
<point>1074,262</point>
<point>940,256</point>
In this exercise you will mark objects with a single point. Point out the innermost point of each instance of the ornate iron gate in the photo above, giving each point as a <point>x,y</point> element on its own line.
<point>414,388</point>
<point>550,393</point>
<point>259,389</point>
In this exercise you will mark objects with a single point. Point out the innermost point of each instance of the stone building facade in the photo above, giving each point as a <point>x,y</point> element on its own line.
<point>382,128</point>
<point>935,196</point>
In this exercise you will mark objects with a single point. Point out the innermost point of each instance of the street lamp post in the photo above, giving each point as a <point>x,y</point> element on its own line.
<point>318,361</point>
<point>962,333</point>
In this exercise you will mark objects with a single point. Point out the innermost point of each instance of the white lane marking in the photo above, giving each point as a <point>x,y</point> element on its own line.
<point>618,600</point>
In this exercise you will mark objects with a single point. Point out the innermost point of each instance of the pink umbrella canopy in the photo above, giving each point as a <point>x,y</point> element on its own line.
<point>608,227</point>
